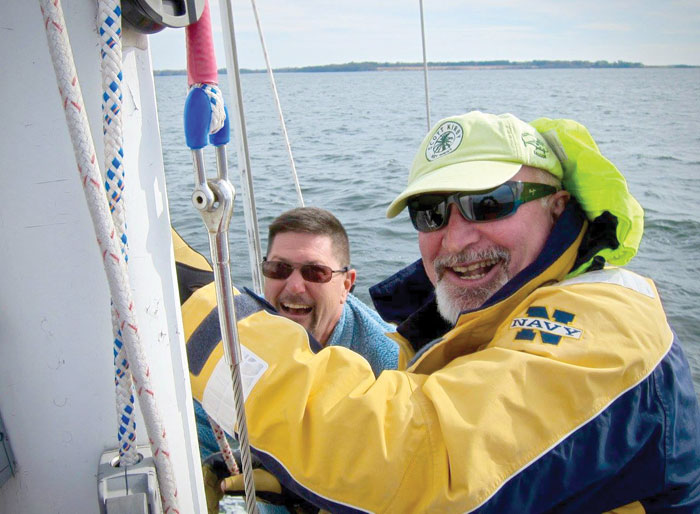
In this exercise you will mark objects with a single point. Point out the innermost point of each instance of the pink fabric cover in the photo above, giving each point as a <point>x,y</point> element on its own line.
<point>201,59</point>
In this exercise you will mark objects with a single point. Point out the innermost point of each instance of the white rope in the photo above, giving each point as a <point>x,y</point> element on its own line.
<point>300,198</point>
<point>110,32</point>
<point>225,447</point>
<point>115,266</point>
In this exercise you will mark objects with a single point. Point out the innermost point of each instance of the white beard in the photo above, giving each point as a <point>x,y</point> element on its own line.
<point>452,300</point>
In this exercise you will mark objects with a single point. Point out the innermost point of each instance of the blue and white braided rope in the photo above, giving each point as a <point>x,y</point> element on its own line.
<point>111,54</point>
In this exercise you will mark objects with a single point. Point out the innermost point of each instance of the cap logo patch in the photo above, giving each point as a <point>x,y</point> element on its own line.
<point>536,143</point>
<point>445,140</point>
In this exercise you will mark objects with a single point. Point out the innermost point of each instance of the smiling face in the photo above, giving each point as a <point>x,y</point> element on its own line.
<point>468,262</point>
<point>315,306</point>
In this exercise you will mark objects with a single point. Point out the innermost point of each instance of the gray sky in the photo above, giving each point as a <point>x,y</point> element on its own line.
<point>313,32</point>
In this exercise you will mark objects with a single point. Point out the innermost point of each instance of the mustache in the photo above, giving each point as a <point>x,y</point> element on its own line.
<point>444,262</point>
<point>293,298</point>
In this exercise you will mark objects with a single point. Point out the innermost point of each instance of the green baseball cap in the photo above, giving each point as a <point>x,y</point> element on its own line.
<point>475,152</point>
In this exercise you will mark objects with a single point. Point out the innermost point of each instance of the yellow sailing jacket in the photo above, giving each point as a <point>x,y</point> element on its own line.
<point>557,395</point>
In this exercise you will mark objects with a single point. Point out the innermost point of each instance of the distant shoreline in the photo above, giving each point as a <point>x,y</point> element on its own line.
<point>464,65</point>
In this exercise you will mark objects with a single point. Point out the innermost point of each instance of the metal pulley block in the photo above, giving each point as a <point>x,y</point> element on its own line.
<point>151,16</point>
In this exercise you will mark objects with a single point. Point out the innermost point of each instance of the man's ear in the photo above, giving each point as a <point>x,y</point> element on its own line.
<point>557,203</point>
<point>348,283</point>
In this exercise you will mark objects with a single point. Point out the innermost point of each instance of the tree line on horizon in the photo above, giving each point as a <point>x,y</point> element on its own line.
<point>492,64</point>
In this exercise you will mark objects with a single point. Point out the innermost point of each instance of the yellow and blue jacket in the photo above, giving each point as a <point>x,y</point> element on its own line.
<point>556,396</point>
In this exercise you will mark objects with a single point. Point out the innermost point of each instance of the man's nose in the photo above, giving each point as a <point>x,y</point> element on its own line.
<point>459,232</point>
<point>295,282</point>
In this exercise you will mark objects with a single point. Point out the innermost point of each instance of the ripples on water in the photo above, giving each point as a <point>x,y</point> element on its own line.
<point>354,136</point>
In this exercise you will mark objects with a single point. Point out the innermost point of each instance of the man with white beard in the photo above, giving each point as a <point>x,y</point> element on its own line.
<point>475,232</point>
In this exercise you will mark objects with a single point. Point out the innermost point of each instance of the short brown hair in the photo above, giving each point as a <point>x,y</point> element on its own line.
<point>313,220</point>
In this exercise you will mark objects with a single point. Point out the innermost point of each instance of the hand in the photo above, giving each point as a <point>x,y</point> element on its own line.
<point>267,489</point>
<point>214,471</point>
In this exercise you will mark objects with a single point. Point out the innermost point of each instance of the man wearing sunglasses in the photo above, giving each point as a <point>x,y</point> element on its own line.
<point>543,379</point>
<point>308,279</point>
<point>477,220</point>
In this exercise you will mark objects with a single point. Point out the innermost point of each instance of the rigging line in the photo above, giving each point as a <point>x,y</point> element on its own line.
<point>234,80</point>
<point>214,200</point>
<point>425,67</point>
<point>217,122</point>
<point>300,198</point>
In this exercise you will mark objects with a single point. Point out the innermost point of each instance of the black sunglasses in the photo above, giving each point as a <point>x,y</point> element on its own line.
<point>430,212</point>
<point>317,273</point>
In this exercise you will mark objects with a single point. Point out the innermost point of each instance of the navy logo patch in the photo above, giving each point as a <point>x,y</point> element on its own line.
<point>551,330</point>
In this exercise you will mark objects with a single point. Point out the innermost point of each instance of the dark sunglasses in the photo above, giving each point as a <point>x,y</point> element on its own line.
<point>430,212</point>
<point>317,273</point>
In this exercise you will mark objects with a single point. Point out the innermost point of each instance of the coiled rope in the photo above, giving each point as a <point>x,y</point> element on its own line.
<point>107,239</point>
<point>110,29</point>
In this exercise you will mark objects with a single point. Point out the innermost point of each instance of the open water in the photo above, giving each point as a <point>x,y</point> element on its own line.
<point>354,135</point>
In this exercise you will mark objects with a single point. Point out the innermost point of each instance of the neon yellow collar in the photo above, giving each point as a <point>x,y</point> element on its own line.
<point>598,186</point>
